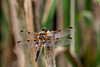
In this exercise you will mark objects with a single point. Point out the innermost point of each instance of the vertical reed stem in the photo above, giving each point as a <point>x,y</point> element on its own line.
<point>61,57</point>
<point>49,55</point>
<point>72,19</point>
<point>29,25</point>
<point>47,10</point>
<point>15,26</point>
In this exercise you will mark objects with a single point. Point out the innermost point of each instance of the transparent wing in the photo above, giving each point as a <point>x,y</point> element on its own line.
<point>58,37</point>
<point>28,35</point>
<point>62,32</point>
<point>49,43</point>
<point>27,44</point>
<point>62,41</point>
<point>58,41</point>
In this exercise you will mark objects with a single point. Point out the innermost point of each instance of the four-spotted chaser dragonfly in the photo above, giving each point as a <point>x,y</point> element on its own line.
<point>43,38</point>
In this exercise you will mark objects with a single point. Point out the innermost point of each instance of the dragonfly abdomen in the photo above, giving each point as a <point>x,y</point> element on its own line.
<point>38,49</point>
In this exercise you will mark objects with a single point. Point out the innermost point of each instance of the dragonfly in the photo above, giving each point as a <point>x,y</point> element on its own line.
<point>43,38</point>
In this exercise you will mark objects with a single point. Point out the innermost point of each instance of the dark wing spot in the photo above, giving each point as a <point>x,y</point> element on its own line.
<point>69,37</point>
<point>34,40</point>
<point>28,32</point>
<point>70,27</point>
<point>59,30</point>
<point>57,38</point>
<point>18,41</point>
<point>21,30</point>
<point>28,40</point>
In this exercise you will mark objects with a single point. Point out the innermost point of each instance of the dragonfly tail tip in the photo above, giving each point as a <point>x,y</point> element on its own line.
<point>37,55</point>
<point>35,60</point>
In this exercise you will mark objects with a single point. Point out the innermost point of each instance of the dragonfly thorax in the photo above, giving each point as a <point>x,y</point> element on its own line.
<point>41,36</point>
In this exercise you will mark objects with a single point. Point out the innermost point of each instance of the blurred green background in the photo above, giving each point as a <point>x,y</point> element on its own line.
<point>83,15</point>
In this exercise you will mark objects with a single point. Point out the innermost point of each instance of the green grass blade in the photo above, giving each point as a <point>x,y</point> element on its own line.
<point>48,21</point>
<point>66,13</point>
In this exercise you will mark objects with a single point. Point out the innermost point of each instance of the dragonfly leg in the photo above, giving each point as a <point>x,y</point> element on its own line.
<point>37,44</point>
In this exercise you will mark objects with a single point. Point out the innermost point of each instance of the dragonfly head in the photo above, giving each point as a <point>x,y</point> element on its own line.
<point>44,29</point>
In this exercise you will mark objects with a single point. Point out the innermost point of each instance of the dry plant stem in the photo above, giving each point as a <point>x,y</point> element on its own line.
<point>37,14</point>
<point>73,57</point>
<point>49,56</point>
<point>7,52</point>
<point>15,27</point>
<point>59,15</point>
<point>46,10</point>
<point>29,25</point>
<point>72,18</point>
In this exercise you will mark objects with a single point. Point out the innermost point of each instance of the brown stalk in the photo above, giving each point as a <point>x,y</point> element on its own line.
<point>49,56</point>
<point>37,13</point>
<point>29,25</point>
<point>59,15</point>
<point>7,52</point>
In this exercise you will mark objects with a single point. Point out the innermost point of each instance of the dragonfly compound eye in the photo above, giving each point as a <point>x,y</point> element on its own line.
<point>44,29</point>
